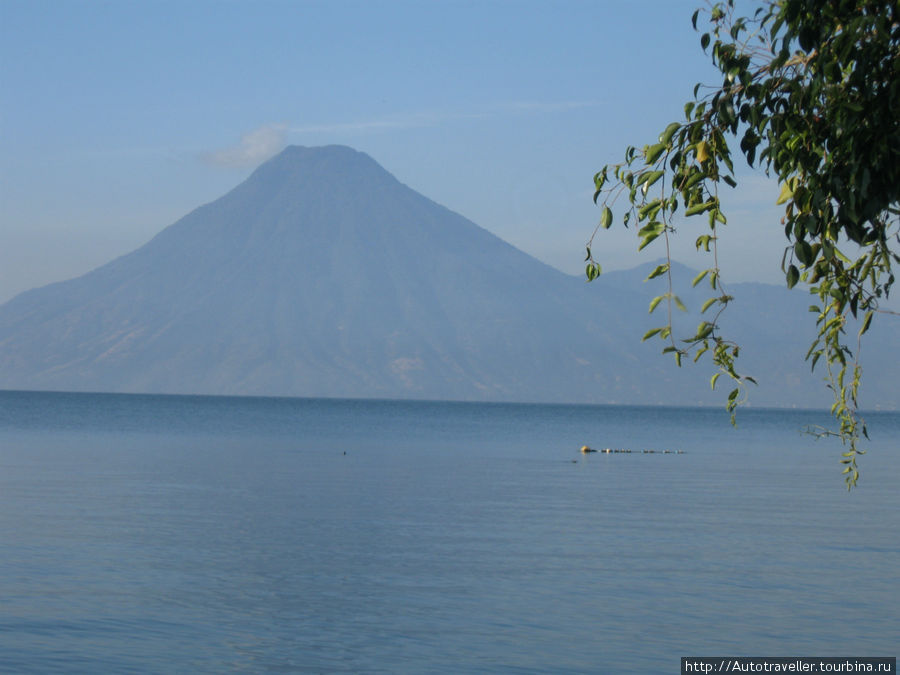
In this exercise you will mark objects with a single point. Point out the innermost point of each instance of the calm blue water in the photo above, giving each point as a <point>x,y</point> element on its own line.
<point>205,534</point>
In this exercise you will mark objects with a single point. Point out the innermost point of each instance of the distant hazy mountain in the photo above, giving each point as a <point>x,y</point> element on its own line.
<point>322,275</point>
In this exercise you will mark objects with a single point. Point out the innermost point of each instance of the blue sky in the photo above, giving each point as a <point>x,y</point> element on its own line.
<point>117,118</point>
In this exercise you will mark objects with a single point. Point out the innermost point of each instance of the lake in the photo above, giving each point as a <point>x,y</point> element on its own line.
<point>220,534</point>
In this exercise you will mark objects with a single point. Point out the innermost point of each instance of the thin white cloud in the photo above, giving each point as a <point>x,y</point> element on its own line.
<point>256,146</point>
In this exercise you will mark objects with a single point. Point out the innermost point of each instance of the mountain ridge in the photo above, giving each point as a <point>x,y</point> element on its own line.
<point>323,275</point>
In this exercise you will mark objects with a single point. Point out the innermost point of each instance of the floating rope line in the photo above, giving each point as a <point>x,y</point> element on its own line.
<point>627,451</point>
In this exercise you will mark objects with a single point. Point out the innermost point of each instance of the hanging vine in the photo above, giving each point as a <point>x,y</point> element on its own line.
<point>810,92</point>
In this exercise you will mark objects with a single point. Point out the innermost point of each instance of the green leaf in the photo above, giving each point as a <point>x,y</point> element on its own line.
<point>793,276</point>
<point>649,232</point>
<point>660,269</point>
<point>666,135</point>
<point>606,218</point>
<point>709,303</point>
<point>787,191</point>
<point>712,382</point>
<point>699,277</point>
<point>653,227</point>
<point>804,252</point>
<point>653,152</point>
<point>678,303</point>
<point>654,302</point>
<point>866,322</point>
<point>693,179</point>
<point>815,360</point>
<point>650,209</point>
<point>650,333</point>
<point>812,348</point>
<point>699,208</point>
<point>647,240</point>
<point>651,177</point>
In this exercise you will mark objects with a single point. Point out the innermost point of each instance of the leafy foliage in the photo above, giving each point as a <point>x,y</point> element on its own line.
<point>810,93</point>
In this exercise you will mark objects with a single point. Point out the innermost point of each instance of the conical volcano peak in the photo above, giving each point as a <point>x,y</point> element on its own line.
<point>323,163</point>
<point>316,186</point>
<point>294,155</point>
<point>306,153</point>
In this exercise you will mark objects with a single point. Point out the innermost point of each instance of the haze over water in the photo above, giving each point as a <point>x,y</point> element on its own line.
<point>176,534</point>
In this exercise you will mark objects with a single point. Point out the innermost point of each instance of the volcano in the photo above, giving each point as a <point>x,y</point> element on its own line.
<point>323,275</point>
<point>320,275</point>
